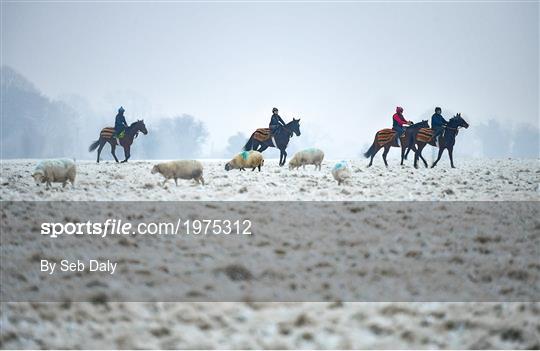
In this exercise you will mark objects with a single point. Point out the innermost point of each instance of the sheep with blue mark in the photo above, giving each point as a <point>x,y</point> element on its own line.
<point>341,172</point>
<point>246,159</point>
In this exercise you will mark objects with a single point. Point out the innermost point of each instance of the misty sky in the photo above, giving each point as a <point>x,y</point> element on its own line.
<point>341,67</point>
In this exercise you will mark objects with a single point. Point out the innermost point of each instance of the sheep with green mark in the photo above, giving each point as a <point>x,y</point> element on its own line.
<point>246,159</point>
<point>341,172</point>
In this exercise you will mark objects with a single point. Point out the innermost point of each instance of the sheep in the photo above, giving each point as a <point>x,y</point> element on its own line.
<point>55,171</point>
<point>183,169</point>
<point>307,157</point>
<point>246,159</point>
<point>341,172</point>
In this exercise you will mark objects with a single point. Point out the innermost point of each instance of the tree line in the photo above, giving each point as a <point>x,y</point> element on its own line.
<point>36,126</point>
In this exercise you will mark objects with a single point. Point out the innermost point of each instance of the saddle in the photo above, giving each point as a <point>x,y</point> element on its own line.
<point>385,135</point>
<point>425,135</point>
<point>109,132</point>
<point>262,134</point>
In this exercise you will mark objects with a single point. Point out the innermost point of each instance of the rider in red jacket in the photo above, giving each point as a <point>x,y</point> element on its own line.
<point>398,121</point>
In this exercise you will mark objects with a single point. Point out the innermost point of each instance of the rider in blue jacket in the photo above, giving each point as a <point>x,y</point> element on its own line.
<point>120,123</point>
<point>276,122</point>
<point>438,122</point>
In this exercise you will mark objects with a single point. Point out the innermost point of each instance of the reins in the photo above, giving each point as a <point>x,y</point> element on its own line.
<point>137,130</point>
<point>289,131</point>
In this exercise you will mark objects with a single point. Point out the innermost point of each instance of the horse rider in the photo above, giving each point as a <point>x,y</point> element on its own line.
<point>120,123</point>
<point>397,123</point>
<point>276,122</point>
<point>438,123</point>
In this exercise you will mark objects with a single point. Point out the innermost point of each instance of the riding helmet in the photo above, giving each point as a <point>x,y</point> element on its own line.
<point>399,109</point>
<point>121,109</point>
<point>438,109</point>
<point>274,110</point>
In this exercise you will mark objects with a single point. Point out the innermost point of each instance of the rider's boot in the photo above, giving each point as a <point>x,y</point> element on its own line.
<point>398,138</point>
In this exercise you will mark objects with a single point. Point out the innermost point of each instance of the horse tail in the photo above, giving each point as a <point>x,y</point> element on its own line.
<point>372,149</point>
<point>93,146</point>
<point>249,144</point>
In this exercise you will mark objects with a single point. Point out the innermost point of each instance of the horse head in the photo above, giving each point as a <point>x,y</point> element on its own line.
<point>140,126</point>
<point>294,126</point>
<point>423,124</point>
<point>458,121</point>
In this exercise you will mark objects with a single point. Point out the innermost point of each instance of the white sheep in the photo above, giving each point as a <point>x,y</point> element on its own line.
<point>183,169</point>
<point>341,172</point>
<point>246,159</point>
<point>307,157</point>
<point>55,171</point>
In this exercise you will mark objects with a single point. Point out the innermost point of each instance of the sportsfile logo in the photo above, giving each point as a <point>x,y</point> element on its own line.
<point>110,226</point>
<point>120,227</point>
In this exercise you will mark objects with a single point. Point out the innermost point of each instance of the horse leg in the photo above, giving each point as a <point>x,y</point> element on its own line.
<point>386,149</point>
<point>438,157</point>
<point>126,153</point>
<point>254,145</point>
<point>412,147</point>
<point>113,149</point>
<point>101,145</point>
<point>284,156</point>
<point>424,160</point>
<point>259,147</point>
<point>372,156</point>
<point>418,154</point>
<point>409,150</point>
<point>451,155</point>
<point>403,154</point>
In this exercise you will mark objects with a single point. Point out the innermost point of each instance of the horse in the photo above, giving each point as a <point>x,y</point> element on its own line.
<point>386,139</point>
<point>262,139</point>
<point>446,140</point>
<point>106,136</point>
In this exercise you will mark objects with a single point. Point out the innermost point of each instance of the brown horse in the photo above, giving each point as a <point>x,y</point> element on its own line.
<point>106,136</point>
<point>386,138</point>
<point>446,141</point>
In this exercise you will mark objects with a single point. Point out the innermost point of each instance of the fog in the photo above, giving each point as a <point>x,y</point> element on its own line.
<point>203,76</point>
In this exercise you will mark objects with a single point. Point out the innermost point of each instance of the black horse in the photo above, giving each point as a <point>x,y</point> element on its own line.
<point>262,139</point>
<point>446,141</point>
<point>386,138</point>
<point>106,136</point>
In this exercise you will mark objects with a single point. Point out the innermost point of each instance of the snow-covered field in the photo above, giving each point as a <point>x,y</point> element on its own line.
<point>271,325</point>
<point>478,180</point>
<point>277,325</point>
